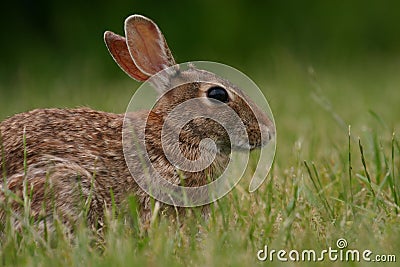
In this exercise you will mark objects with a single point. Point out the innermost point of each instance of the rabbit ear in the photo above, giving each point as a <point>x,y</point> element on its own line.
<point>118,49</point>
<point>147,45</point>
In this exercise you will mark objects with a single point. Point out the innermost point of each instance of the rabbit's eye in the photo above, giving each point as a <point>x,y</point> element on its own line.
<point>218,93</point>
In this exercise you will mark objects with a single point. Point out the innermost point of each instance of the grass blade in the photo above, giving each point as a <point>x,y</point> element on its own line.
<point>365,167</point>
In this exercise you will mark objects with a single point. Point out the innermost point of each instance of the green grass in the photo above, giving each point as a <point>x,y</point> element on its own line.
<point>329,180</point>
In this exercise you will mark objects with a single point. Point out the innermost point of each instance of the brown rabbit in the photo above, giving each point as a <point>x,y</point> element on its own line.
<point>70,157</point>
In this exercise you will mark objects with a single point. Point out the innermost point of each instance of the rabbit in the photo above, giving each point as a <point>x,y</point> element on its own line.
<point>67,159</point>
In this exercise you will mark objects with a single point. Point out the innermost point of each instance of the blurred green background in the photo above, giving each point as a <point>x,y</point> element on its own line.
<point>322,65</point>
<point>240,32</point>
<point>52,53</point>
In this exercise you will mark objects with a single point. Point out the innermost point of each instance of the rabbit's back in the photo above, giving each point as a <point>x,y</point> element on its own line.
<point>78,151</point>
<point>90,136</point>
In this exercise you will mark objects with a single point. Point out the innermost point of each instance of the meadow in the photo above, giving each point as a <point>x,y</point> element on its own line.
<point>336,173</point>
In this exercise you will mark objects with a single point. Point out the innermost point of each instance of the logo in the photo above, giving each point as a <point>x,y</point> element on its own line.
<point>341,253</point>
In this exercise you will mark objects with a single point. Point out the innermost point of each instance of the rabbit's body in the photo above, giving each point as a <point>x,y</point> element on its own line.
<point>77,152</point>
<point>76,160</point>
<point>70,134</point>
<point>77,155</point>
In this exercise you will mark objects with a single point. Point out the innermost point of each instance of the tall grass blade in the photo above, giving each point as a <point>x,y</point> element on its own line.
<point>393,183</point>
<point>365,167</point>
<point>350,170</point>
<point>319,190</point>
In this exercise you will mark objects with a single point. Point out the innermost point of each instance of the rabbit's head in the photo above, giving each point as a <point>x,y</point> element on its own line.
<point>143,52</point>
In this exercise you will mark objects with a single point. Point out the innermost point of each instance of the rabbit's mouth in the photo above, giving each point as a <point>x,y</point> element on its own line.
<point>256,139</point>
<point>245,145</point>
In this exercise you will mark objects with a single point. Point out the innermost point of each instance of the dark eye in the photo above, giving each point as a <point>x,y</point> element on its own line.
<point>218,93</point>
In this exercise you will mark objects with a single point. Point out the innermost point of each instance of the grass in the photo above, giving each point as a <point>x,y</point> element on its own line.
<point>336,175</point>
